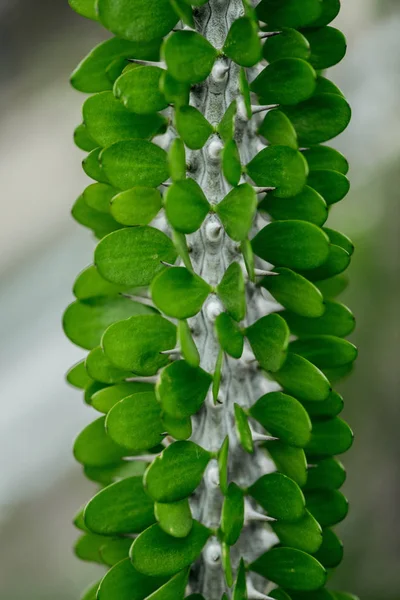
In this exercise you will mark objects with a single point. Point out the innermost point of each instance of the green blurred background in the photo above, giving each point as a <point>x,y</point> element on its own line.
<point>41,251</point>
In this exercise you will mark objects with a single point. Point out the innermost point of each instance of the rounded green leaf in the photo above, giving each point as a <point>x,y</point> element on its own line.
<point>182,389</point>
<point>279,496</point>
<point>180,429</point>
<point>280,167</point>
<point>304,534</point>
<point>278,130</point>
<point>328,46</point>
<point>229,335</point>
<point>283,417</point>
<point>103,400</point>
<point>189,56</point>
<point>133,256</point>
<point>330,407</point>
<point>174,589</point>
<point>226,127</point>
<point>336,320</point>
<point>175,92</point>
<point>124,582</point>
<point>269,339</point>
<point>78,377</point>
<point>289,13</point>
<point>329,507</point>
<point>139,22</point>
<point>332,186</point>
<point>155,553</point>
<point>285,81</point>
<point>192,126</point>
<point>333,287</point>
<point>295,293</point>
<point>237,211</point>
<point>232,516</point>
<point>325,86</point>
<point>100,223</point>
<point>115,550</point>
<point>177,472</point>
<point>330,554</point>
<point>188,347</point>
<point>231,291</point>
<point>330,10</point>
<point>86,8</point>
<point>94,448</point>
<point>279,594</point>
<point>179,293</point>
<point>330,437</point>
<point>87,547</point>
<point>302,379</point>
<point>99,368</point>
<point>293,244</point>
<point>289,460</point>
<point>324,157</point>
<point>186,206</point>
<point>243,430</point>
<point>139,90</point>
<point>325,351</point>
<point>85,321</point>
<point>290,568</point>
<point>135,422</point>
<point>231,165</point>
<point>98,196</point>
<point>93,169</point>
<point>91,592</point>
<point>242,44</point>
<point>184,11</point>
<point>174,518</point>
<point>339,239</point>
<point>137,206</point>
<point>321,594</point>
<point>319,118</point>
<point>288,44</point>
<point>134,163</point>
<point>327,473</point>
<point>83,140</point>
<point>338,260</point>
<point>177,161</point>
<point>120,508</point>
<point>306,206</point>
<point>136,344</point>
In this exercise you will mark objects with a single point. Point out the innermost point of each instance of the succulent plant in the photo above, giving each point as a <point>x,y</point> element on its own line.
<point>209,313</point>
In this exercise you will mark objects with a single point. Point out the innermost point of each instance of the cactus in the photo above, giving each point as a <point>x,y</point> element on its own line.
<point>209,313</point>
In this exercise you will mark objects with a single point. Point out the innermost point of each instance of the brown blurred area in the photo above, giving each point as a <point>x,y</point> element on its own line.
<point>42,250</point>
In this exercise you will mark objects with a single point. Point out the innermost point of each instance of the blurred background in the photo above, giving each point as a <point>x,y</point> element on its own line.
<point>42,250</point>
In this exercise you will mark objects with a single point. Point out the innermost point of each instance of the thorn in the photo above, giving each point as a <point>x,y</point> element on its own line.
<point>142,457</point>
<point>253,515</point>
<point>263,35</point>
<point>142,379</point>
<point>170,352</point>
<point>262,273</point>
<point>255,108</point>
<point>261,437</point>
<point>263,190</point>
<point>142,299</point>
<point>167,184</point>
<point>150,63</point>
<point>166,264</point>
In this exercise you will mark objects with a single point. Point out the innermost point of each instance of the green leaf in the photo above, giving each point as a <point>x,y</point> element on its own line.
<point>302,379</point>
<point>91,389</point>
<point>186,206</point>
<point>83,140</point>
<point>140,23</point>
<point>108,121</point>
<point>99,368</point>
<point>285,81</point>
<point>179,293</point>
<point>98,196</point>
<point>269,339</point>
<point>226,127</point>
<point>279,594</point>
<point>134,163</point>
<point>240,588</point>
<point>338,260</point>
<point>182,389</point>
<point>330,407</point>
<point>136,344</point>
<point>243,430</point>
<point>237,211</point>
<point>175,92</point>
<point>324,157</point>
<point>124,582</point>
<point>231,165</point>
<point>280,167</point>
<point>104,400</point>
<point>137,206</point>
<point>321,594</point>
<point>329,507</point>
<point>290,568</point>
<point>330,10</point>
<point>115,550</point>
<point>120,508</point>
<point>177,161</point>
<point>293,244</point>
<point>174,589</point>
<point>184,11</point>
<point>78,377</point>
<point>289,460</point>
<point>85,321</point>
<point>278,130</point>
<point>100,223</point>
<point>133,256</point>
<point>332,186</point>
<point>244,88</point>
<point>333,287</point>
<point>289,13</point>
<point>155,553</point>
<point>319,118</point>
<point>91,592</point>
<point>279,496</point>
<point>177,472</point>
<point>328,46</point>
<point>94,448</point>
<point>108,474</point>
<point>337,320</point>
<point>232,516</point>
<point>174,518</point>
<point>288,44</point>
<point>325,86</point>
<point>295,293</point>
<point>85,8</point>
<point>135,422</point>
<point>226,566</point>
<point>189,56</point>
<point>93,169</point>
<point>242,44</point>
<point>192,126</point>
<point>229,335</point>
<point>304,534</point>
<point>180,429</point>
<point>306,206</point>
<point>327,473</point>
<point>223,455</point>
<point>283,417</point>
<point>231,291</point>
<point>90,76</point>
<point>339,239</point>
<point>330,437</point>
<point>325,351</point>
<point>87,547</point>
<point>188,347</point>
<point>330,554</point>
<point>138,90</point>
